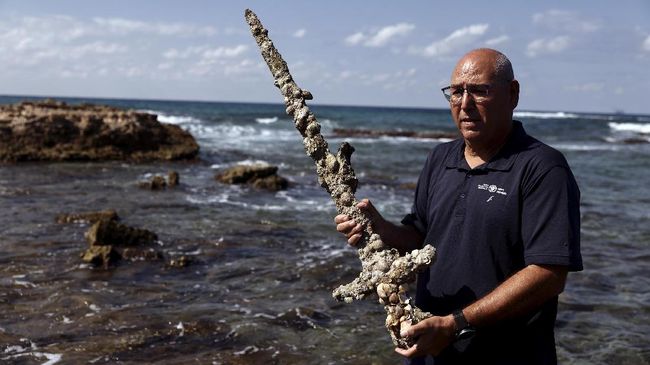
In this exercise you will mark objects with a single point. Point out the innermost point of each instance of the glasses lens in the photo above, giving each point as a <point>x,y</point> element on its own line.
<point>477,92</point>
<point>446,91</point>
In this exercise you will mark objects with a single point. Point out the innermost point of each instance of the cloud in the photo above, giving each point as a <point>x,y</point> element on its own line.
<point>546,46</point>
<point>354,39</point>
<point>224,52</point>
<point>300,33</point>
<point>565,21</point>
<point>458,39</point>
<point>646,44</point>
<point>384,35</point>
<point>498,40</point>
<point>123,26</point>
<point>205,53</point>
<point>380,37</point>
<point>69,47</point>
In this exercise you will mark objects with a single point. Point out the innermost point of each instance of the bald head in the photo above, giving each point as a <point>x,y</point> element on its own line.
<point>500,64</point>
<point>489,93</point>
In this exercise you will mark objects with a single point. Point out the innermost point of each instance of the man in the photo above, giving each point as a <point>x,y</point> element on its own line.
<point>502,210</point>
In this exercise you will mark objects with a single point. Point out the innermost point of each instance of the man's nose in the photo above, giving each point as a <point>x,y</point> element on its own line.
<point>467,100</point>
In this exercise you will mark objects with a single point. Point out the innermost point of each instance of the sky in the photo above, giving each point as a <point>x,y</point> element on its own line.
<point>589,56</point>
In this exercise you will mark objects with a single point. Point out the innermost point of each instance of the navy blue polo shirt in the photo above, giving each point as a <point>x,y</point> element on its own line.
<point>520,208</point>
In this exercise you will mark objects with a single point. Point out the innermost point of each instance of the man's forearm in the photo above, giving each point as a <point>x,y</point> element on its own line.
<point>520,294</point>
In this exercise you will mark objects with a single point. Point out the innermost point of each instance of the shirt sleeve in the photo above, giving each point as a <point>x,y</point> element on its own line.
<point>551,220</point>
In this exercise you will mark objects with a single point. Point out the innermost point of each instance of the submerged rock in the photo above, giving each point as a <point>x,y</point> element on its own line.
<point>259,176</point>
<point>54,131</point>
<point>87,217</point>
<point>158,182</point>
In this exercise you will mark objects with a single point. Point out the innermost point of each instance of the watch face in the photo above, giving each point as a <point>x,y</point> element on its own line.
<point>465,333</point>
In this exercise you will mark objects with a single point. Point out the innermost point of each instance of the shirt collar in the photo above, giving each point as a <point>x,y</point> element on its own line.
<point>502,161</point>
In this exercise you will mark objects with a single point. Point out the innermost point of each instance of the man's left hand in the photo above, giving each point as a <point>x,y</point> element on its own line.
<point>434,335</point>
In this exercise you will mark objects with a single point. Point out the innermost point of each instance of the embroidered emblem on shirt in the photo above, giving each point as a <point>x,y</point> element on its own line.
<point>492,189</point>
<point>489,199</point>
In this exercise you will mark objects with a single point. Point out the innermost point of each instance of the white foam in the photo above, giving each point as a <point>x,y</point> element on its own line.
<point>266,120</point>
<point>585,147</point>
<point>171,119</point>
<point>546,115</point>
<point>630,127</point>
<point>15,352</point>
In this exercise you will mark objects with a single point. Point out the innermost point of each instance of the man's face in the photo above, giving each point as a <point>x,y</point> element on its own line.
<point>487,120</point>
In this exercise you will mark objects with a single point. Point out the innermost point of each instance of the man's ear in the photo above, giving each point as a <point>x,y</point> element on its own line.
<point>514,93</point>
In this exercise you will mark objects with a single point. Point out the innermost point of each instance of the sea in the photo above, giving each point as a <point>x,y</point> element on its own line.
<point>262,264</point>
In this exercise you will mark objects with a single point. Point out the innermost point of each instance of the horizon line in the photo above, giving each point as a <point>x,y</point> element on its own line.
<point>312,102</point>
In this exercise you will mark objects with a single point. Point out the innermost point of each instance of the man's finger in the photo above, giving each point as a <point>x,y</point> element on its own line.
<point>414,330</point>
<point>341,218</point>
<point>345,227</point>
<point>409,352</point>
<point>353,240</point>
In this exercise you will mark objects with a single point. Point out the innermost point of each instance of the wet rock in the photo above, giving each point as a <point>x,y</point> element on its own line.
<point>180,262</point>
<point>55,131</point>
<point>100,255</point>
<point>173,179</point>
<point>351,132</point>
<point>109,232</point>
<point>87,217</point>
<point>111,241</point>
<point>272,183</point>
<point>408,186</point>
<point>302,318</point>
<point>259,176</point>
<point>141,254</point>
<point>635,140</point>
<point>158,182</point>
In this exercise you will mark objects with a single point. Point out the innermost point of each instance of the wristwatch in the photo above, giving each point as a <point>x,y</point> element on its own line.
<point>463,328</point>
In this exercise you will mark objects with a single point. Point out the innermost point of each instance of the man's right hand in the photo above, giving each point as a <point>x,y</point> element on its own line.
<point>353,230</point>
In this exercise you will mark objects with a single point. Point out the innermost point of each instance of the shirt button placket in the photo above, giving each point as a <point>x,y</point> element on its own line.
<point>462,197</point>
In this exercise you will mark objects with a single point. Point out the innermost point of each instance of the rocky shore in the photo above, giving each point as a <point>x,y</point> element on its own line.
<point>55,131</point>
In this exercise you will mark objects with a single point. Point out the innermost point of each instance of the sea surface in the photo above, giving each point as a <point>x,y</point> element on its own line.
<point>263,265</point>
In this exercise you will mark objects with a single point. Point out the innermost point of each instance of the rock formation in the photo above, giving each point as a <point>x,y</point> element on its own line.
<point>259,176</point>
<point>384,271</point>
<point>55,131</point>
<point>158,182</point>
<point>111,241</point>
<point>374,133</point>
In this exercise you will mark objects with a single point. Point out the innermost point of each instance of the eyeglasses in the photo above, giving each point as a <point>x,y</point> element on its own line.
<point>454,94</point>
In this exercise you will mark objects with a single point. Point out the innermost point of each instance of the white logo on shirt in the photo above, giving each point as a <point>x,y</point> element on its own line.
<point>492,189</point>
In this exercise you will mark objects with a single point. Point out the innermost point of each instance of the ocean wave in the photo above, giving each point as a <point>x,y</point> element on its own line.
<point>172,119</point>
<point>246,162</point>
<point>546,115</point>
<point>585,147</point>
<point>631,127</point>
<point>225,198</point>
<point>266,120</point>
